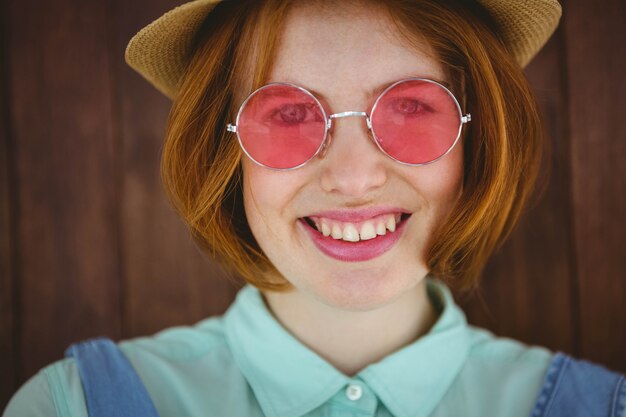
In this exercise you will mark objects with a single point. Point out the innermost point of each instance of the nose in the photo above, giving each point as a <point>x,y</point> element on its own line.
<point>352,165</point>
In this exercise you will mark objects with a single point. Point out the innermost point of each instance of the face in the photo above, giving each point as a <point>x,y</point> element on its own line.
<point>344,55</point>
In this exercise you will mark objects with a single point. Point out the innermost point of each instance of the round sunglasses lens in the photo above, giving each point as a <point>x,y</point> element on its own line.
<point>281,126</point>
<point>416,121</point>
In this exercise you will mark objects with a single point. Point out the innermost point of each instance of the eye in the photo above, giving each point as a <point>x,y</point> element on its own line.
<point>409,106</point>
<point>292,113</point>
<point>295,113</point>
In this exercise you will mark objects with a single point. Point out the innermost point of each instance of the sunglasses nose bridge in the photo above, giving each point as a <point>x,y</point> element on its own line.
<point>349,114</point>
<point>329,125</point>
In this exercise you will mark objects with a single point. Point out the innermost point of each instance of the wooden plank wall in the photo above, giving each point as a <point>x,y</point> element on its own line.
<point>561,279</point>
<point>9,342</point>
<point>89,246</point>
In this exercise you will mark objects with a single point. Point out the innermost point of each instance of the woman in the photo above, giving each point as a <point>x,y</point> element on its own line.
<point>350,160</point>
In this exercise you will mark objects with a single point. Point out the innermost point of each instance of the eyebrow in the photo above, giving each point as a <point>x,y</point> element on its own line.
<point>375,92</point>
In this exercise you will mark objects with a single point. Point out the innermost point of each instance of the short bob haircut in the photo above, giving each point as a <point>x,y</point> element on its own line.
<point>233,54</point>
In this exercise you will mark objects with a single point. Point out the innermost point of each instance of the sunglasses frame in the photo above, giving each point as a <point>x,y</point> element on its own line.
<point>328,121</point>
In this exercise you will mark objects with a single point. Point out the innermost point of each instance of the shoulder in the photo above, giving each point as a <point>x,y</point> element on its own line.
<point>500,376</point>
<point>504,358</point>
<point>170,359</point>
<point>177,344</point>
<point>55,390</point>
<point>576,387</point>
<point>186,356</point>
<point>540,382</point>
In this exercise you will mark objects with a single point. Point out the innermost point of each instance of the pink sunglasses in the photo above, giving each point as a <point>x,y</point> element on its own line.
<point>414,121</point>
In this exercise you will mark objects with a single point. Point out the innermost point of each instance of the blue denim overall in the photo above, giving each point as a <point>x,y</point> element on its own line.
<point>571,387</point>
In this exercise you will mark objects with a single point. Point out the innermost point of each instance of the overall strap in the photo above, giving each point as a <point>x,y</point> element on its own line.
<point>578,388</point>
<point>112,387</point>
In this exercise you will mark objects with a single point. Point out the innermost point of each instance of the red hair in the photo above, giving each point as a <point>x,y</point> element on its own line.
<point>503,145</point>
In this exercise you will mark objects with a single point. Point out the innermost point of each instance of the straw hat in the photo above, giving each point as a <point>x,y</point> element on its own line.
<point>160,51</point>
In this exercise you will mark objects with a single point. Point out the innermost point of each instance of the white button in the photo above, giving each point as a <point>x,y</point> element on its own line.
<point>354,392</point>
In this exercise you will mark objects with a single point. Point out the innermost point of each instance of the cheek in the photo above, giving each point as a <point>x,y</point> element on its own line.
<point>268,195</point>
<point>456,169</point>
<point>442,181</point>
<point>451,177</point>
<point>440,185</point>
<point>256,195</point>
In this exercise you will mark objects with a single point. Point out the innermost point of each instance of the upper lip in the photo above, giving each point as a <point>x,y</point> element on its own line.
<point>357,215</point>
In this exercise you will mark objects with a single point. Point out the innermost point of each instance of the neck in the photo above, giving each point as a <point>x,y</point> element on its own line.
<point>351,340</point>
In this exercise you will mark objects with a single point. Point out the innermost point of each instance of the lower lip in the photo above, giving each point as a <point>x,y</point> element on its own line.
<point>360,251</point>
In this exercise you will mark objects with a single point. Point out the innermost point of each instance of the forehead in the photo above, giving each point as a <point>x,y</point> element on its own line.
<point>351,50</point>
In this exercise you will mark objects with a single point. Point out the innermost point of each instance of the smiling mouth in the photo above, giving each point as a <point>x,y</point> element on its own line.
<point>357,231</point>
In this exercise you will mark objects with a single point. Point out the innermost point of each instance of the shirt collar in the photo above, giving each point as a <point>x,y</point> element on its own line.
<point>289,379</point>
<point>412,381</point>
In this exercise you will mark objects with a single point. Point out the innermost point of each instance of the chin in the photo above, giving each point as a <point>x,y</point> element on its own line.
<point>365,289</point>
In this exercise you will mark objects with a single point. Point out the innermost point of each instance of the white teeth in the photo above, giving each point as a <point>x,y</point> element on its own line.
<point>368,231</point>
<point>336,232</point>
<point>350,233</point>
<point>381,229</point>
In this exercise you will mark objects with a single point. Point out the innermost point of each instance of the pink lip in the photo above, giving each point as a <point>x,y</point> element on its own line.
<point>356,216</point>
<point>360,251</point>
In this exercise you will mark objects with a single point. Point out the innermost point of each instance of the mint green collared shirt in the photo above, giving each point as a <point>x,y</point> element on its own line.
<point>245,363</point>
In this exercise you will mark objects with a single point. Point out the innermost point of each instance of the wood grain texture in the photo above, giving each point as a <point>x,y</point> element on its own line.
<point>596,65</point>
<point>167,280</point>
<point>8,278</point>
<point>66,171</point>
<point>527,286</point>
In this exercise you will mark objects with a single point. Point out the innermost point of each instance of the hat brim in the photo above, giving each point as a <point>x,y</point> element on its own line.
<point>525,25</point>
<point>160,51</point>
